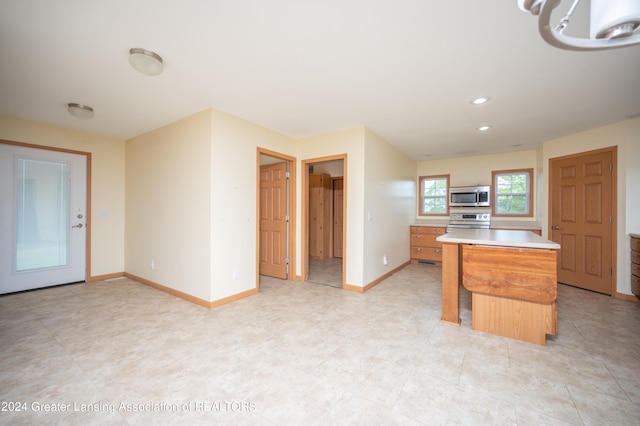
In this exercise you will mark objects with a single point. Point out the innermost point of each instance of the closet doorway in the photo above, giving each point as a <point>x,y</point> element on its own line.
<point>324,216</point>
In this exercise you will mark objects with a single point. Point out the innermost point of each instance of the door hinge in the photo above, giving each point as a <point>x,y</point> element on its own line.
<point>610,219</point>
<point>610,272</point>
<point>286,260</point>
<point>286,218</point>
<point>287,174</point>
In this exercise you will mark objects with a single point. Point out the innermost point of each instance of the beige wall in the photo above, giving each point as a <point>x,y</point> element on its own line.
<point>191,203</point>
<point>191,195</point>
<point>389,206</point>
<point>625,135</point>
<point>168,178</point>
<point>477,170</point>
<point>233,198</point>
<point>107,184</point>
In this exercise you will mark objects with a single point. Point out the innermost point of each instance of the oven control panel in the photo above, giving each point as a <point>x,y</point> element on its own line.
<point>480,217</point>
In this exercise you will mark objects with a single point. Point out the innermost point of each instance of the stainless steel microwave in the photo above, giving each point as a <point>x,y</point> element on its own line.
<point>470,196</point>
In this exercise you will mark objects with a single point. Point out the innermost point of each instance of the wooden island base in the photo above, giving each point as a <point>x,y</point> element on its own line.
<point>514,288</point>
<point>514,318</point>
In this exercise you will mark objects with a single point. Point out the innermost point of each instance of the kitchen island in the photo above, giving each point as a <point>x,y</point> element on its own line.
<point>513,279</point>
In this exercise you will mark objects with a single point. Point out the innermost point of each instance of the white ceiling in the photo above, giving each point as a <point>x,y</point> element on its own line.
<point>406,69</point>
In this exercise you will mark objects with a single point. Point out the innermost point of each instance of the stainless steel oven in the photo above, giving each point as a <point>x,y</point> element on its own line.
<point>469,218</point>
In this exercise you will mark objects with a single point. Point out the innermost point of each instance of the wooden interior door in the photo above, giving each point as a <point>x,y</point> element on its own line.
<point>338,204</point>
<point>273,220</point>
<point>582,219</point>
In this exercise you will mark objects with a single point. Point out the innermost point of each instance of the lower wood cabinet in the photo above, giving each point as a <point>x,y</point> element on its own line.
<point>424,245</point>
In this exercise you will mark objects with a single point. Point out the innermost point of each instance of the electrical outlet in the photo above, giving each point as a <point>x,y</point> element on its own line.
<point>385,260</point>
<point>152,264</point>
<point>236,274</point>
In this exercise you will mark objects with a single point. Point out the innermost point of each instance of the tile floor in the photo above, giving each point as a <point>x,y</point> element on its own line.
<point>297,353</point>
<point>326,271</point>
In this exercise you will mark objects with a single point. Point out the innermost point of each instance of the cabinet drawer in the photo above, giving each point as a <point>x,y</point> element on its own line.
<point>635,244</point>
<point>635,269</point>
<point>425,240</point>
<point>439,230</point>
<point>427,253</point>
<point>635,285</point>
<point>635,256</point>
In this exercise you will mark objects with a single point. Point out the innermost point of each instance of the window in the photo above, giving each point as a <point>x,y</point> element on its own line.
<point>433,194</point>
<point>513,192</point>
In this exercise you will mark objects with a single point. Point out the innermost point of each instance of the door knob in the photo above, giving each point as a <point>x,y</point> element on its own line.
<point>556,227</point>
<point>77,226</point>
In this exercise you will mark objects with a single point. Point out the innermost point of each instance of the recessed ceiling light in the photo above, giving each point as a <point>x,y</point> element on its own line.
<point>80,111</point>
<point>145,61</point>
<point>481,100</point>
<point>484,128</point>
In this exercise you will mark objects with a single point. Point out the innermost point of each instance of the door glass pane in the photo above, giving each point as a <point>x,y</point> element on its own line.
<point>42,204</point>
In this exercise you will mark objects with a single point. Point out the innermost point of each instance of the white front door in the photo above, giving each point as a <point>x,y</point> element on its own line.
<point>42,218</point>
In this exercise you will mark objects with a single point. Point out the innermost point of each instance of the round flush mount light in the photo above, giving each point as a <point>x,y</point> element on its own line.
<point>484,128</point>
<point>80,111</point>
<point>145,61</point>
<point>481,100</point>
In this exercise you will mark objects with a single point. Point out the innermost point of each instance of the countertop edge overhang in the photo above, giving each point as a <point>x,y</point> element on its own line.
<point>494,237</point>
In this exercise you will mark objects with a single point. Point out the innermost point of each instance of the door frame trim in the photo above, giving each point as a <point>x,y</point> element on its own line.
<point>614,205</point>
<point>87,155</point>
<point>291,243</point>
<point>305,214</point>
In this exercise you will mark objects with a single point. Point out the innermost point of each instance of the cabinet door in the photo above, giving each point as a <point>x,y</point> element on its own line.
<point>438,230</point>
<point>425,240</point>
<point>433,254</point>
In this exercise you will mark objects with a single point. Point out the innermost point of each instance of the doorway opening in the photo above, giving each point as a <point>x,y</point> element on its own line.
<point>324,215</point>
<point>275,253</point>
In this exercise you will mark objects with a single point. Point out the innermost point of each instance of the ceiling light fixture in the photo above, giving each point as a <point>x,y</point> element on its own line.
<point>484,128</point>
<point>80,111</point>
<point>145,61</point>
<point>481,100</point>
<point>613,24</point>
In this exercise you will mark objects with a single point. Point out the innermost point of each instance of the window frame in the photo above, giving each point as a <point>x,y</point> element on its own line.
<point>529,194</point>
<point>421,196</point>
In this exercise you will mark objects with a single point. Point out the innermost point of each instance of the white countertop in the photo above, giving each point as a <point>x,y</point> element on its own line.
<point>493,237</point>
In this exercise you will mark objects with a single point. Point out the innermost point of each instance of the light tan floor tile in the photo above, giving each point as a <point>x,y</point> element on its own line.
<point>301,353</point>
